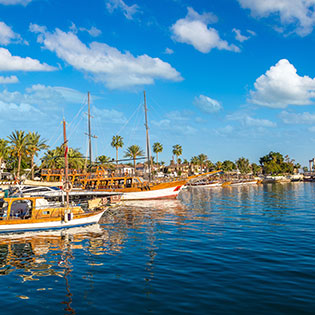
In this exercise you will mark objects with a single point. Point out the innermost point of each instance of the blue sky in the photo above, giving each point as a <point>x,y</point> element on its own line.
<point>227,78</point>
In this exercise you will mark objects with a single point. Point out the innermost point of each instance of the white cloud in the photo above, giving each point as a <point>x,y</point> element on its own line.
<point>193,30</point>
<point>249,121</point>
<point>93,31</point>
<point>16,63</point>
<point>128,11</point>
<point>7,35</point>
<point>240,37</point>
<point>207,104</point>
<point>107,64</point>
<point>44,96</point>
<point>168,51</point>
<point>8,80</point>
<point>297,118</point>
<point>299,14</point>
<point>19,112</point>
<point>281,86</point>
<point>110,115</point>
<point>14,2</point>
<point>311,129</point>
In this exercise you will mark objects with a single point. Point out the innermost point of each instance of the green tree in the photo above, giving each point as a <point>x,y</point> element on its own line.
<point>104,160</point>
<point>117,142</point>
<point>228,166</point>
<point>4,151</point>
<point>218,165</point>
<point>256,169</point>
<point>35,144</point>
<point>19,147</point>
<point>305,169</point>
<point>194,161</point>
<point>133,152</point>
<point>157,148</point>
<point>202,158</point>
<point>177,151</point>
<point>243,165</point>
<point>274,163</point>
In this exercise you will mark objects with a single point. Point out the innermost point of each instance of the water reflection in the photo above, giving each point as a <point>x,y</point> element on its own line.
<point>146,252</point>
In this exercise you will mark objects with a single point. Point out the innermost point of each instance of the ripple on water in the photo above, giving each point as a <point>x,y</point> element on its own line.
<point>232,250</point>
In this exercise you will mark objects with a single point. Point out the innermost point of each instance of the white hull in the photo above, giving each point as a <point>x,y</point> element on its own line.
<point>244,183</point>
<point>51,225</point>
<point>164,193</point>
<point>206,185</point>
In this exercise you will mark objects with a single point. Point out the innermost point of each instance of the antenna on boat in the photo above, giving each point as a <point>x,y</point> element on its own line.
<point>89,134</point>
<point>147,134</point>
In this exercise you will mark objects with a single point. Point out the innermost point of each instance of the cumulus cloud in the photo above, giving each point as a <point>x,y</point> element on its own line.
<point>14,2</point>
<point>240,37</point>
<point>49,97</point>
<point>207,104</point>
<point>298,14</point>
<point>9,80</point>
<point>7,35</point>
<point>19,112</point>
<point>105,63</point>
<point>281,86</point>
<point>297,118</point>
<point>128,11</point>
<point>248,121</point>
<point>16,63</point>
<point>193,30</point>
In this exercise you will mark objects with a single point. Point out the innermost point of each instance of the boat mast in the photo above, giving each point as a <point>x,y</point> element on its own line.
<point>147,134</point>
<point>89,130</point>
<point>65,143</point>
<point>89,134</point>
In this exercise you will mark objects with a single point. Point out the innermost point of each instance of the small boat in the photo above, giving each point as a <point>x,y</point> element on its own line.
<point>244,182</point>
<point>36,213</point>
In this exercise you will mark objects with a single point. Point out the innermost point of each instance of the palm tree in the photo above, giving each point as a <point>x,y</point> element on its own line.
<point>35,144</point>
<point>157,148</point>
<point>202,158</point>
<point>178,151</point>
<point>4,151</point>
<point>75,159</point>
<point>193,162</point>
<point>132,152</point>
<point>243,165</point>
<point>50,159</point>
<point>117,142</point>
<point>19,146</point>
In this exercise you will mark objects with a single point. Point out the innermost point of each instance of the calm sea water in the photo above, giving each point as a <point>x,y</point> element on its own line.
<point>247,250</point>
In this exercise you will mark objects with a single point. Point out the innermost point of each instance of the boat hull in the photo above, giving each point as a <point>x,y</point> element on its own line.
<point>164,193</point>
<point>50,224</point>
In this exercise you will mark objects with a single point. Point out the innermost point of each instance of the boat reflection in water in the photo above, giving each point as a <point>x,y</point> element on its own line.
<point>34,255</point>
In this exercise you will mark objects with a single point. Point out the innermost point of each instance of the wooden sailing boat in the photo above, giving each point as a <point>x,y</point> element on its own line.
<point>135,188</point>
<point>36,213</point>
<point>132,187</point>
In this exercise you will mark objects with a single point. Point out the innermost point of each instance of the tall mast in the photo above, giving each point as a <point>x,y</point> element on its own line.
<point>147,134</point>
<point>89,134</point>
<point>65,142</point>
<point>89,130</point>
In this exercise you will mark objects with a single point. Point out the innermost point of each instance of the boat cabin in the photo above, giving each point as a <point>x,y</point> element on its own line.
<point>112,183</point>
<point>29,208</point>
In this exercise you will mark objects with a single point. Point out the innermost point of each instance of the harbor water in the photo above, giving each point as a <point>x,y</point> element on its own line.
<point>245,250</point>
